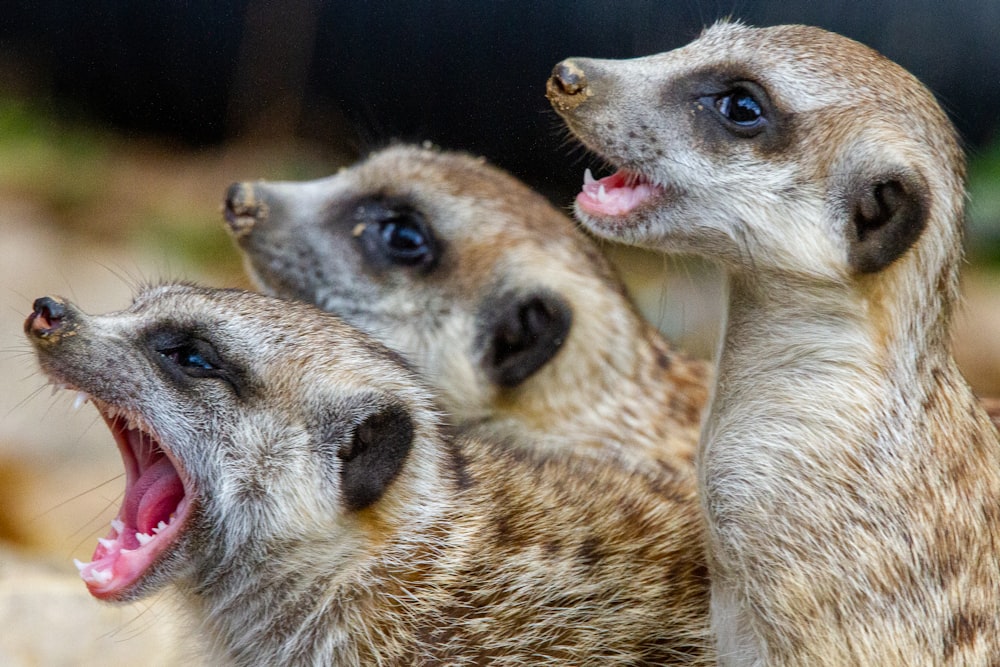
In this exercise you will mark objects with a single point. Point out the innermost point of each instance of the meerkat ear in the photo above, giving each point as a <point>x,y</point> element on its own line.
<point>373,454</point>
<point>522,335</point>
<point>887,215</point>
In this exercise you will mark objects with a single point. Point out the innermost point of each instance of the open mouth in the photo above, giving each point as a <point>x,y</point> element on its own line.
<point>152,516</point>
<point>616,195</point>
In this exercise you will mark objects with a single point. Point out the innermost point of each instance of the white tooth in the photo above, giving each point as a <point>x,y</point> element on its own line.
<point>80,566</point>
<point>160,526</point>
<point>100,576</point>
<point>602,194</point>
<point>106,543</point>
<point>143,538</point>
<point>80,400</point>
<point>588,177</point>
<point>118,526</point>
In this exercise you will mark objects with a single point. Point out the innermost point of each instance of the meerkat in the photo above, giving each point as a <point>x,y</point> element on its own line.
<point>507,309</point>
<point>849,477</point>
<point>292,479</point>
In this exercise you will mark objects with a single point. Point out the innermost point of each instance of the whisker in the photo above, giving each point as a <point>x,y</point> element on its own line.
<point>76,497</point>
<point>20,404</point>
<point>95,519</point>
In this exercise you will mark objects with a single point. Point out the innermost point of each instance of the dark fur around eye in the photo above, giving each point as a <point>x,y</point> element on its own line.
<point>395,234</point>
<point>186,356</point>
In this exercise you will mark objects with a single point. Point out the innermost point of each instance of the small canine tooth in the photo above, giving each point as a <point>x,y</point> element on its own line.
<point>106,543</point>
<point>602,194</point>
<point>80,400</point>
<point>143,538</point>
<point>80,565</point>
<point>100,576</point>
<point>160,526</point>
<point>588,177</point>
<point>118,526</point>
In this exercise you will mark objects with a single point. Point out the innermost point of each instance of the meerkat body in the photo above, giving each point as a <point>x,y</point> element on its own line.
<point>509,311</point>
<point>850,479</point>
<point>291,478</point>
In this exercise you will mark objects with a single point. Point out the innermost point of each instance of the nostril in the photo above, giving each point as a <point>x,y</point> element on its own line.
<point>235,197</point>
<point>242,208</point>
<point>47,316</point>
<point>568,87</point>
<point>570,78</point>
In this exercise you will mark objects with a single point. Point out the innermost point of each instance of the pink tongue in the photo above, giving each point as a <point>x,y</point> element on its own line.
<point>153,497</point>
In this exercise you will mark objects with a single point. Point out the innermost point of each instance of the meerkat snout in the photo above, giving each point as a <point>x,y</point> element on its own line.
<point>243,208</point>
<point>48,317</point>
<point>567,87</point>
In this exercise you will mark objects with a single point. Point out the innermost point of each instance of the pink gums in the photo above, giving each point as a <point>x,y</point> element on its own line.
<point>614,195</point>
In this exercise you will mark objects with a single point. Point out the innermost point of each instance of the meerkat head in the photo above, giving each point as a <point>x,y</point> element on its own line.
<point>441,256</point>
<point>788,148</point>
<point>247,425</point>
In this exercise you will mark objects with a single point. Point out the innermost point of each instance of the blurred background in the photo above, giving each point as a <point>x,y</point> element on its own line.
<point>123,122</point>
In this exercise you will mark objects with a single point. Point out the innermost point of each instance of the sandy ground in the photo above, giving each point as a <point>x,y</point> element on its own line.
<point>60,474</point>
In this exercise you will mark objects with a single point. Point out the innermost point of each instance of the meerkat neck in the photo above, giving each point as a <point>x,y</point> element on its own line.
<point>824,425</point>
<point>310,599</point>
<point>791,348</point>
<point>314,615</point>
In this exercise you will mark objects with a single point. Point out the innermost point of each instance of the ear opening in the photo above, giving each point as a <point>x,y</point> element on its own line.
<point>373,454</point>
<point>887,214</point>
<point>522,335</point>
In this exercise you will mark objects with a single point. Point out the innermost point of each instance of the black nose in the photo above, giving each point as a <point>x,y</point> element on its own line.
<point>568,87</point>
<point>569,78</point>
<point>242,208</point>
<point>49,316</point>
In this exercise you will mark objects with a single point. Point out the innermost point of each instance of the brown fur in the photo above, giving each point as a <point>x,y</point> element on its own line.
<point>615,385</point>
<point>850,479</point>
<point>474,553</point>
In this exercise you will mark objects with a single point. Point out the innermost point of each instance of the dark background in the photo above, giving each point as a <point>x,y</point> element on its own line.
<point>351,75</point>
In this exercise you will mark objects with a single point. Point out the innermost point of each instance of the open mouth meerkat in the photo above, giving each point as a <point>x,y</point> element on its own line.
<point>295,483</point>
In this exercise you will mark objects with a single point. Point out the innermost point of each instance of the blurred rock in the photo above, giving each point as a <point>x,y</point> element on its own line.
<point>50,619</point>
<point>977,331</point>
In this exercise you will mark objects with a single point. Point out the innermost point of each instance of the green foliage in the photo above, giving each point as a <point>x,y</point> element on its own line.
<point>58,162</point>
<point>984,206</point>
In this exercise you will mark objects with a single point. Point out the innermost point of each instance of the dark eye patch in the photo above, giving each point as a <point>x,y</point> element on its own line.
<point>393,233</point>
<point>188,356</point>
<point>192,356</point>
<point>730,110</point>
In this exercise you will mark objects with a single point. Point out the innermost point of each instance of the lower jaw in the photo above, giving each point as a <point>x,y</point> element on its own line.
<point>614,227</point>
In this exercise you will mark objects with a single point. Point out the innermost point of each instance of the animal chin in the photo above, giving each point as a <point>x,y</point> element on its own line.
<point>152,517</point>
<point>615,196</point>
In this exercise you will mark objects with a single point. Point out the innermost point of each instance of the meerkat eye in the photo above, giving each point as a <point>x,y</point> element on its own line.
<point>740,108</point>
<point>742,111</point>
<point>187,356</point>
<point>393,233</point>
<point>404,240</point>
